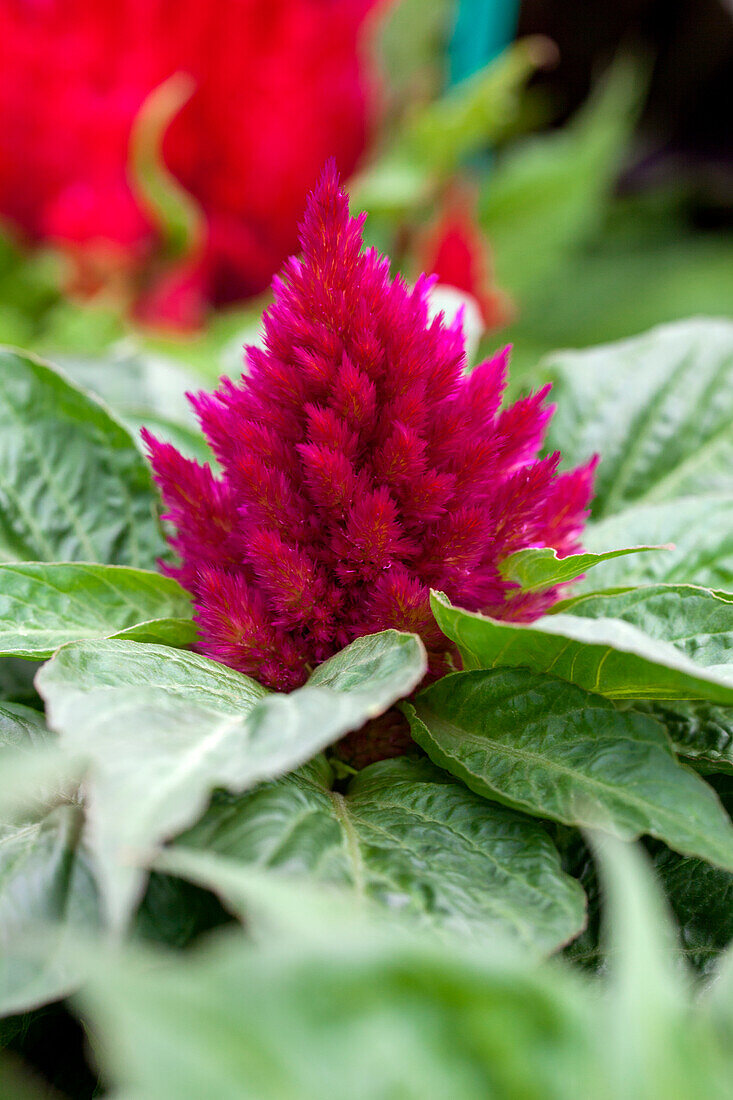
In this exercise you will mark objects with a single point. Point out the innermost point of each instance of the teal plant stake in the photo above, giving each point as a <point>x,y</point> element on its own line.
<point>483,28</point>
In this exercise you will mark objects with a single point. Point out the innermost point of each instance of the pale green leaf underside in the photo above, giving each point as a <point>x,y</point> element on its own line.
<point>609,653</point>
<point>546,747</point>
<point>163,727</point>
<point>407,836</point>
<point>45,605</point>
<point>73,484</point>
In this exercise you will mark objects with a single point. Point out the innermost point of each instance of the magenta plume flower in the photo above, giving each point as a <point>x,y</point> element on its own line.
<point>361,467</point>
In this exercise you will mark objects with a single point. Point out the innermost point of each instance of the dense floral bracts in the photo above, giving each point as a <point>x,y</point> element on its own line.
<point>360,467</point>
<point>279,85</point>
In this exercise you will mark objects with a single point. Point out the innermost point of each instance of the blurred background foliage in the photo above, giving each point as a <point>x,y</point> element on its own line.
<point>589,161</point>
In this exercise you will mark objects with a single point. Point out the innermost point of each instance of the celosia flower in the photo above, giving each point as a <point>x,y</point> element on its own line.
<point>455,251</point>
<point>360,467</point>
<point>280,86</point>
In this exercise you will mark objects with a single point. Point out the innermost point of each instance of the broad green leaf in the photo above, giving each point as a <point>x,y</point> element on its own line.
<point>608,654</point>
<point>697,621</point>
<point>21,726</point>
<point>549,748</point>
<point>163,727</point>
<point>646,1012</point>
<point>538,568</point>
<point>658,409</point>
<point>134,382</point>
<point>46,886</point>
<point>73,484</point>
<point>700,529</point>
<point>360,1010</point>
<point>701,732</point>
<point>44,605</point>
<point>701,898</point>
<point>412,839</point>
<point>359,1014</point>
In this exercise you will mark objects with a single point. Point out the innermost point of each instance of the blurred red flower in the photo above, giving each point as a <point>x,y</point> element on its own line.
<point>455,250</point>
<point>279,86</point>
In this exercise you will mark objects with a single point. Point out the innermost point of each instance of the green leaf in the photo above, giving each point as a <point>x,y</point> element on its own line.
<point>697,621</point>
<point>701,898</point>
<point>647,1025</point>
<point>412,839</point>
<point>44,605</point>
<point>658,409</point>
<point>34,774</point>
<point>359,1010</point>
<point>73,485</point>
<point>551,749</point>
<point>547,193</point>
<point>134,381</point>
<point>47,887</point>
<point>608,654</point>
<point>701,732</point>
<point>20,726</point>
<point>358,1014</point>
<point>163,727</point>
<point>700,529</point>
<point>539,568</point>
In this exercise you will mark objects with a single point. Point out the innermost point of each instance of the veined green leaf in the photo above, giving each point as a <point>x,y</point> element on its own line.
<point>73,484</point>
<point>45,605</point>
<point>658,409</point>
<point>356,1013</point>
<point>700,529</point>
<point>412,839</point>
<point>538,568</point>
<point>609,654</point>
<point>552,749</point>
<point>162,728</point>
<point>368,1012</point>
<point>701,732</point>
<point>46,885</point>
<point>701,898</point>
<point>696,620</point>
<point>21,726</point>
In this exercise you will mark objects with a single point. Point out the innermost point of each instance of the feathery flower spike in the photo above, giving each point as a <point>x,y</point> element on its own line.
<point>360,467</point>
